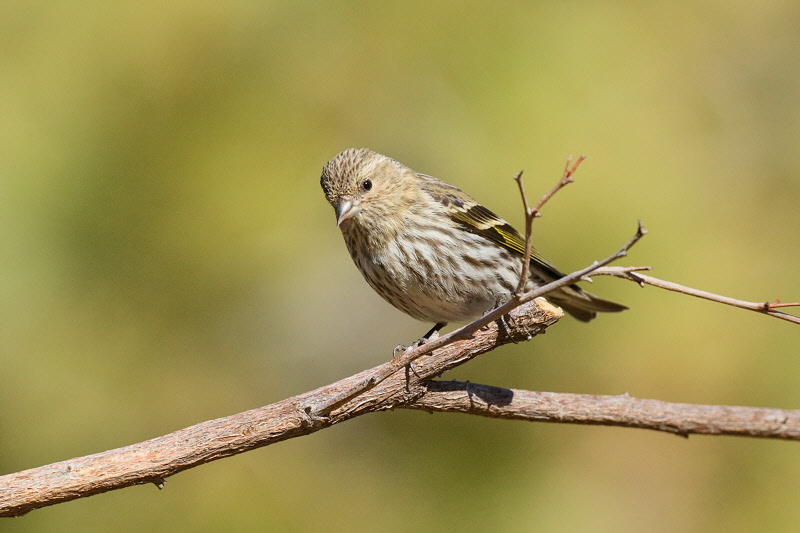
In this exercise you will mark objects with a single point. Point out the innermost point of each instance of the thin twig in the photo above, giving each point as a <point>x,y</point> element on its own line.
<point>633,274</point>
<point>777,303</point>
<point>566,178</point>
<point>531,214</point>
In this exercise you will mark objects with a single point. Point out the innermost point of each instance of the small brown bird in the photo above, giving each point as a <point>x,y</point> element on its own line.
<point>429,249</point>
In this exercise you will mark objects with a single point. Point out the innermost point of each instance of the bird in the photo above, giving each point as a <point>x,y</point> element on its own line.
<point>430,249</point>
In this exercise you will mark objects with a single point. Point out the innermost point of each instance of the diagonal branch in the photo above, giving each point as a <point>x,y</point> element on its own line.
<point>154,460</point>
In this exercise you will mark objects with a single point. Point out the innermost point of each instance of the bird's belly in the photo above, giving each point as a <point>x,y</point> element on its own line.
<point>441,285</point>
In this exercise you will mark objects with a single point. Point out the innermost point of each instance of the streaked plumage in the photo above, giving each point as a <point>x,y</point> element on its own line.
<point>428,248</point>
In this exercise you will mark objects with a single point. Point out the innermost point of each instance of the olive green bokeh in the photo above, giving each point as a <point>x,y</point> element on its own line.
<point>168,256</point>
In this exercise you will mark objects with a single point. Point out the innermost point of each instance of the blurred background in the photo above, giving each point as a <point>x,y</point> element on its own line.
<point>168,256</point>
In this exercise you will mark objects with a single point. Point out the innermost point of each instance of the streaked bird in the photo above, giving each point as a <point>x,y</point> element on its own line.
<point>431,250</point>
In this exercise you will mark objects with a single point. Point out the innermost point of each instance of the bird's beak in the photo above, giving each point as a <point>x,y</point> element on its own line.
<point>344,210</point>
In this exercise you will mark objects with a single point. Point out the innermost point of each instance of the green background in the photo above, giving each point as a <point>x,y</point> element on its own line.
<point>168,256</point>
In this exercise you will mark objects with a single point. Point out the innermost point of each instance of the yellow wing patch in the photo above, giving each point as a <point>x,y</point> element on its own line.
<point>479,220</point>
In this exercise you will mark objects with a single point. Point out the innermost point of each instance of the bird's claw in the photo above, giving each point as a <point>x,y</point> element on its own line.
<point>399,350</point>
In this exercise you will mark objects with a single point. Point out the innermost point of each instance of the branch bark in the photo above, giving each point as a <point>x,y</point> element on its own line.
<point>678,418</point>
<point>154,460</point>
<point>398,384</point>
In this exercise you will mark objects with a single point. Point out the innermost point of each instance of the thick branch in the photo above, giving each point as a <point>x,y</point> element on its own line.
<point>679,418</point>
<point>377,389</point>
<point>388,387</point>
<point>154,460</point>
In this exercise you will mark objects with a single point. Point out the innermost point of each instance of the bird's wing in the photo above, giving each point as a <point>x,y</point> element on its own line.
<point>475,218</point>
<point>480,221</point>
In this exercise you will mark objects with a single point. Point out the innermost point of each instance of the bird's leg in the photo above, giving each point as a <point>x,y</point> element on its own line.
<point>433,334</point>
<point>500,301</point>
<point>505,328</point>
<point>504,322</point>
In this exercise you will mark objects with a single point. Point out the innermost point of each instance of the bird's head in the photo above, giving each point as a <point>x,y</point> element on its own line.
<point>365,188</point>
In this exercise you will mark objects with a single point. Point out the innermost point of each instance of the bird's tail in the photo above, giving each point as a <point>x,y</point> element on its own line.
<point>581,304</point>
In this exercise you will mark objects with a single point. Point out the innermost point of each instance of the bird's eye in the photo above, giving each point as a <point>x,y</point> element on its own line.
<point>366,184</point>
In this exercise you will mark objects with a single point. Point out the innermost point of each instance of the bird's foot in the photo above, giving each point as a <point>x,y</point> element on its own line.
<point>432,335</point>
<point>504,319</point>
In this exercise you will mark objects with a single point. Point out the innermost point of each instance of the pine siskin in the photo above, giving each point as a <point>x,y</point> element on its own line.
<point>428,248</point>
